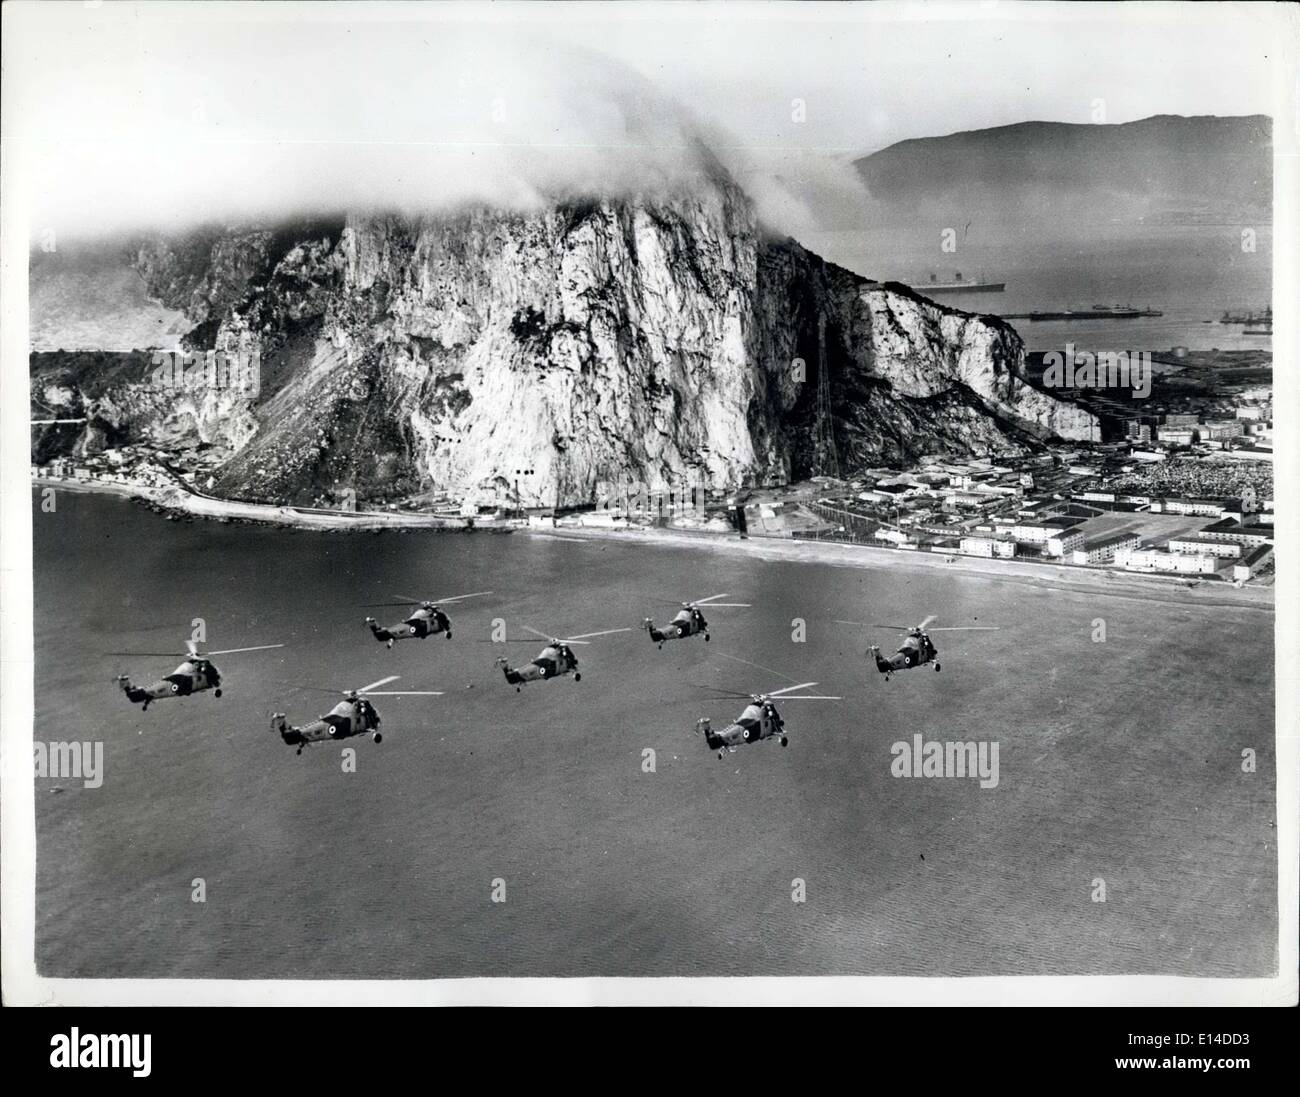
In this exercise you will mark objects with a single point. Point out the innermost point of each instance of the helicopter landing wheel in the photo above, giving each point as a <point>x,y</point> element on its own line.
<point>706,637</point>
<point>216,693</point>
<point>936,668</point>
<point>144,707</point>
<point>784,741</point>
<point>390,645</point>
<point>298,751</point>
<point>719,756</point>
<point>519,689</point>
<point>378,737</point>
<point>661,647</point>
<point>449,634</point>
<point>577,677</point>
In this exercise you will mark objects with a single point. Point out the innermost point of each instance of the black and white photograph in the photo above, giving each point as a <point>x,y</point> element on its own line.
<point>601,503</point>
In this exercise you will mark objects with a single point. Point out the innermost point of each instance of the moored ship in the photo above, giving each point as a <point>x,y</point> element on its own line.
<point>960,285</point>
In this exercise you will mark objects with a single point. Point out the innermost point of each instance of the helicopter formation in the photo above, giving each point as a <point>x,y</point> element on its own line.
<point>355,715</point>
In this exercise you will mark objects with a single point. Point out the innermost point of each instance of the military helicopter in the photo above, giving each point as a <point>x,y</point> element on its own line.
<point>917,648</point>
<point>194,675</point>
<point>689,620</point>
<point>427,619</point>
<point>760,719</point>
<point>556,658</point>
<point>352,716</point>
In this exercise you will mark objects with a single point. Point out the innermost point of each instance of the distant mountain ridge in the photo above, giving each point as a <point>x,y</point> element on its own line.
<point>1166,168</point>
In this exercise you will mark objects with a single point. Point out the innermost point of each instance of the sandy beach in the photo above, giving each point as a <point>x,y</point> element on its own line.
<point>837,554</point>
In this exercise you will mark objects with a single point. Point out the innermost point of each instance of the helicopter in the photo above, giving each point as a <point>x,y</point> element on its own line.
<point>917,649</point>
<point>427,619</point>
<point>760,719</point>
<point>352,716</point>
<point>194,675</point>
<point>555,660</point>
<point>689,620</point>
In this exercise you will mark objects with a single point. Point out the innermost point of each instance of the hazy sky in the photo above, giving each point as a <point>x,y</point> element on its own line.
<point>160,111</point>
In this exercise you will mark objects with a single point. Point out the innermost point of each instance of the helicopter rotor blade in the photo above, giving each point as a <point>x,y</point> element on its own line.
<point>807,697</point>
<point>926,621</point>
<point>232,651</point>
<point>404,602</point>
<point>967,628</point>
<point>789,689</point>
<point>705,601</point>
<point>401,692</point>
<point>900,628</point>
<point>722,694</point>
<point>759,666</point>
<point>859,624</point>
<point>460,597</point>
<point>375,685</point>
<point>545,636</point>
<point>603,632</point>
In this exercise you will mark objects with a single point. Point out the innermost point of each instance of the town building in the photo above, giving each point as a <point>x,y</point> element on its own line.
<point>1249,565</point>
<point>1101,550</point>
<point>1150,559</point>
<point>1204,546</point>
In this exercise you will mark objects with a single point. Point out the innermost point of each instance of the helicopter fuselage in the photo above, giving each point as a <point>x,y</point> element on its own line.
<point>347,719</point>
<point>424,622</point>
<point>760,720</point>
<point>688,622</point>
<point>192,676</point>
<point>555,661</point>
<point>916,650</point>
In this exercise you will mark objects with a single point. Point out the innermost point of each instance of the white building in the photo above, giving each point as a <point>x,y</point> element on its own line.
<point>1102,550</point>
<point>1064,543</point>
<point>1149,559</point>
<point>1205,546</point>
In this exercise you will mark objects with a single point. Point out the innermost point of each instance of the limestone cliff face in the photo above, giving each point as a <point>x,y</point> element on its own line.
<point>659,338</point>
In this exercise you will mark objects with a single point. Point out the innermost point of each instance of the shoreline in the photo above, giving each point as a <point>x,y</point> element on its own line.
<point>180,500</point>
<point>177,501</point>
<point>838,554</point>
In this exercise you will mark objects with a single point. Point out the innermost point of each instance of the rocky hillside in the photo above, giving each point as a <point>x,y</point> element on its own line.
<point>660,338</point>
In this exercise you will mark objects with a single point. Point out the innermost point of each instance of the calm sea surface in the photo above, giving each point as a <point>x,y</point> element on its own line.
<point>1119,761</point>
<point>1191,274</point>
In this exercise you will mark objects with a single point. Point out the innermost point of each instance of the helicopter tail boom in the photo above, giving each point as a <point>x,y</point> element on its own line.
<point>290,735</point>
<point>377,630</point>
<point>883,665</point>
<point>657,635</point>
<point>134,693</point>
<point>512,676</point>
